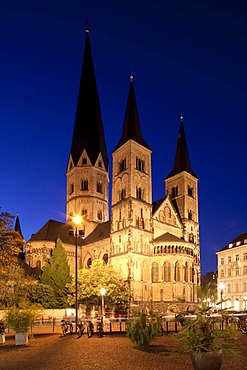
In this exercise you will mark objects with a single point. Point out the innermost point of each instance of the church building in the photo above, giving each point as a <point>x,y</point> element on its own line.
<point>155,244</point>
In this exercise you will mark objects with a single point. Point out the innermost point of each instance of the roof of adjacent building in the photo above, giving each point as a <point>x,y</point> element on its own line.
<point>182,162</point>
<point>167,237</point>
<point>88,130</point>
<point>236,242</point>
<point>131,127</point>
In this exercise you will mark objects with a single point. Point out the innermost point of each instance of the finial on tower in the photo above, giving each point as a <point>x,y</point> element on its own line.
<point>131,76</point>
<point>87,25</point>
<point>181,118</point>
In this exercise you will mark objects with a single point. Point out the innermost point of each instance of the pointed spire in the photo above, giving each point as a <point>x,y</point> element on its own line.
<point>18,226</point>
<point>131,127</point>
<point>181,162</point>
<point>88,130</point>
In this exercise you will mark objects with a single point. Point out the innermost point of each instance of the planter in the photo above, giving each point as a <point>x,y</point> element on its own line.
<point>21,339</point>
<point>207,360</point>
<point>2,338</point>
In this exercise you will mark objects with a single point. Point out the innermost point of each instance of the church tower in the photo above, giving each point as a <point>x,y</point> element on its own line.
<point>87,170</point>
<point>182,187</point>
<point>131,200</point>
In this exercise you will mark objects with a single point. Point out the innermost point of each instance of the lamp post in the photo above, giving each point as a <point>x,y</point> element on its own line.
<point>77,220</point>
<point>221,287</point>
<point>102,292</point>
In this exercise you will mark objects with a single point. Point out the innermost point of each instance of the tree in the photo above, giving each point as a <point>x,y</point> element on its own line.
<point>42,294</point>
<point>10,241</point>
<point>56,273</point>
<point>99,275</point>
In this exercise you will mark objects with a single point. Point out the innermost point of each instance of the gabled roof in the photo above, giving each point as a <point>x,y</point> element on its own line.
<point>88,130</point>
<point>236,242</point>
<point>167,237</point>
<point>157,203</point>
<point>131,127</point>
<point>54,229</point>
<point>182,162</point>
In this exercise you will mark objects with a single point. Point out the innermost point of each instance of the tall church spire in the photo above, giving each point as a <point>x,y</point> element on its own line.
<point>18,226</point>
<point>88,130</point>
<point>182,162</point>
<point>131,127</point>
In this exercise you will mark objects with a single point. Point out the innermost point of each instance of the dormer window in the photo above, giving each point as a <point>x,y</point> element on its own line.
<point>100,164</point>
<point>84,160</point>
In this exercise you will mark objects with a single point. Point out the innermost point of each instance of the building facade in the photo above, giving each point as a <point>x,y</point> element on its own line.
<point>155,244</point>
<point>232,274</point>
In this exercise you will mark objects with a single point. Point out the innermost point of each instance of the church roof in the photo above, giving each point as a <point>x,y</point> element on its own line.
<point>102,231</point>
<point>131,127</point>
<point>236,242</point>
<point>167,237</point>
<point>182,162</point>
<point>157,203</point>
<point>54,229</point>
<point>88,130</point>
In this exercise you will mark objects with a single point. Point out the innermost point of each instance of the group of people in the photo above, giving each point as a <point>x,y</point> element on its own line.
<point>68,328</point>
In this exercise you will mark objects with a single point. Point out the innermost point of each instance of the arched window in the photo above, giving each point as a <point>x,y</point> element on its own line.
<point>177,272</point>
<point>99,215</point>
<point>155,272</point>
<point>186,272</point>
<point>105,258</point>
<point>89,262</point>
<point>38,264</point>
<point>167,271</point>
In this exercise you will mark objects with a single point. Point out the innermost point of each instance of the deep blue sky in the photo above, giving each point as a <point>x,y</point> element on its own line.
<point>187,56</point>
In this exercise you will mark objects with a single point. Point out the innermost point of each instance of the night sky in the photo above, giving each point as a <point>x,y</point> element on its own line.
<point>186,56</point>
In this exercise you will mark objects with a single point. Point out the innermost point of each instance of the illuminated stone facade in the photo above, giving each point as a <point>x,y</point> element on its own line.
<point>154,244</point>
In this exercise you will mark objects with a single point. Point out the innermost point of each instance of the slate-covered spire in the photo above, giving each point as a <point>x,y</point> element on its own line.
<point>18,226</point>
<point>131,127</point>
<point>182,162</point>
<point>88,130</point>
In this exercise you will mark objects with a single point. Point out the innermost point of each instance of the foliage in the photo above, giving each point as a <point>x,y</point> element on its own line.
<point>99,275</point>
<point>12,293</point>
<point>201,332</point>
<point>56,273</point>
<point>10,241</point>
<point>143,328</point>
<point>20,320</point>
<point>207,293</point>
<point>42,294</point>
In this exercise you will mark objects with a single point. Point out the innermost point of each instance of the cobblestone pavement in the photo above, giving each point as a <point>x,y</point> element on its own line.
<point>112,352</point>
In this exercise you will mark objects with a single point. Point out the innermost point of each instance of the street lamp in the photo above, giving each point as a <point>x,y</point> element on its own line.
<point>102,292</point>
<point>221,287</point>
<point>77,220</point>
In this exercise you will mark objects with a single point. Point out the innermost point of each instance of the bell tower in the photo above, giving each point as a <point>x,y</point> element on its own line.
<point>131,229</point>
<point>87,170</point>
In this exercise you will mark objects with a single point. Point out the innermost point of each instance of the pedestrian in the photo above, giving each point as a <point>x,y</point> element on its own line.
<point>80,329</point>
<point>90,329</point>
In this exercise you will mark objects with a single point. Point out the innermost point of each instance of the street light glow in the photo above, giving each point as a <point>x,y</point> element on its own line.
<point>77,220</point>
<point>102,291</point>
